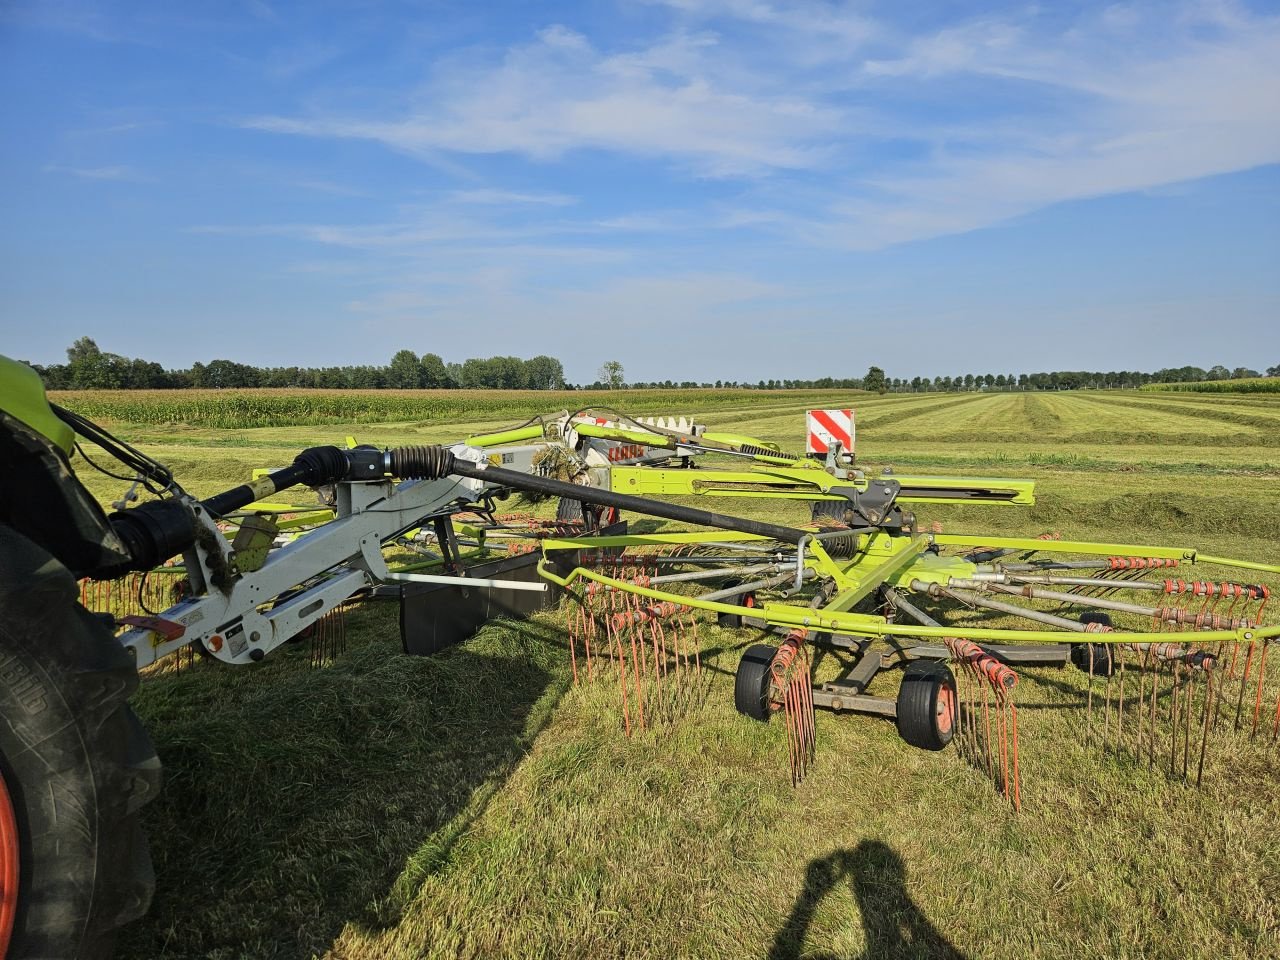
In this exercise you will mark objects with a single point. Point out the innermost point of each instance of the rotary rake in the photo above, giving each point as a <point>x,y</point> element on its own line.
<point>1173,665</point>
<point>860,593</point>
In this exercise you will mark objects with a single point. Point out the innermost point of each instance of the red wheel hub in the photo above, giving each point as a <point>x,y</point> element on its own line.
<point>8,868</point>
<point>946,709</point>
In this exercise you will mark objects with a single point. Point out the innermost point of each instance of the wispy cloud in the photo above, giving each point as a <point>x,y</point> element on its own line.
<point>121,173</point>
<point>512,198</point>
<point>558,93</point>
<point>877,134</point>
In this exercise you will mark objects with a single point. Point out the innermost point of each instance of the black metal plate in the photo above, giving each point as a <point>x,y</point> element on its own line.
<point>434,616</point>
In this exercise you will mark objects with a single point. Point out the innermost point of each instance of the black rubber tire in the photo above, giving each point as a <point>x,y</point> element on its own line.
<point>570,510</point>
<point>77,762</point>
<point>927,705</point>
<point>1103,663</point>
<point>597,518</point>
<point>733,621</point>
<point>751,683</point>
<point>831,509</point>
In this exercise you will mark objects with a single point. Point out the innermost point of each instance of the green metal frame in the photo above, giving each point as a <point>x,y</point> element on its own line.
<point>809,481</point>
<point>896,561</point>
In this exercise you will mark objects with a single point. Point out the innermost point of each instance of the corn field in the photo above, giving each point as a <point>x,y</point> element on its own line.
<point>1251,385</point>
<point>241,409</point>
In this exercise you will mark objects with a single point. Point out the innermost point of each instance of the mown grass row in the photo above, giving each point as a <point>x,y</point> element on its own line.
<point>1250,385</point>
<point>242,409</point>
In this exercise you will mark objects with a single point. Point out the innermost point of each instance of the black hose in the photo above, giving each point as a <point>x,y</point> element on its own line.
<point>501,477</point>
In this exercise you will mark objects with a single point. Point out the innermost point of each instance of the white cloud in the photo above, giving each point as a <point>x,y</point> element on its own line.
<point>512,198</point>
<point>558,93</point>
<point>850,131</point>
<point>122,173</point>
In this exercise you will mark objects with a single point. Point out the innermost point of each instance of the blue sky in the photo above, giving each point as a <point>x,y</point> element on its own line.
<point>704,189</point>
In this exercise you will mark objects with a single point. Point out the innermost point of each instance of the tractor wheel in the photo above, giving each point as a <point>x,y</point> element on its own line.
<point>76,766</point>
<point>927,705</point>
<point>1103,664</point>
<point>733,621</point>
<point>751,684</point>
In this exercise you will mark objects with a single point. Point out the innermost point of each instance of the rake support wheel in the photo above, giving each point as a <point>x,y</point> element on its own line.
<point>751,683</point>
<point>927,705</point>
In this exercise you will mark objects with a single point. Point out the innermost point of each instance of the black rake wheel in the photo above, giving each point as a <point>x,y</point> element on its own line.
<point>1103,665</point>
<point>751,683</point>
<point>75,763</point>
<point>733,621</point>
<point>591,517</point>
<point>927,705</point>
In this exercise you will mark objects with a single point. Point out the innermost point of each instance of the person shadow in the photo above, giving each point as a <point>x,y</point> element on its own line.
<point>894,926</point>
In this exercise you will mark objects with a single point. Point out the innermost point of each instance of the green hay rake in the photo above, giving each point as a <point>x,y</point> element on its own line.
<point>1173,663</point>
<point>863,591</point>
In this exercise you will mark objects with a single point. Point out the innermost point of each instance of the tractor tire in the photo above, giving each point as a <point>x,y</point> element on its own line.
<point>927,705</point>
<point>76,766</point>
<point>751,683</point>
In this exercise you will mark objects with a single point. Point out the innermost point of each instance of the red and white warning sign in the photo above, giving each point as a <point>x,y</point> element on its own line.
<point>830,426</point>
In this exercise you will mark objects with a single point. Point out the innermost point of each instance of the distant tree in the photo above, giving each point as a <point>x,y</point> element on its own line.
<point>434,372</point>
<point>611,375</point>
<point>875,381</point>
<point>1274,371</point>
<point>82,349</point>
<point>1219,372</point>
<point>405,371</point>
<point>1243,373</point>
<point>1001,381</point>
<point>543,373</point>
<point>989,379</point>
<point>968,381</point>
<point>223,374</point>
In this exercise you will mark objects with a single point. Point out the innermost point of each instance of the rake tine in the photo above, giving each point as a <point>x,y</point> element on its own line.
<point>1244,682</point>
<point>986,717</point>
<point>1186,723</point>
<point>1173,720</point>
<point>573,645</point>
<point>1120,705</point>
<point>1204,733</point>
<point>1257,702</point>
<point>1151,738</point>
<point>1106,706</point>
<point>1141,669</point>
<point>1088,730</point>
<point>630,627</point>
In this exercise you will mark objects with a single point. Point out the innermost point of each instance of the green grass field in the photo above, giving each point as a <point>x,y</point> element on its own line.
<point>476,804</point>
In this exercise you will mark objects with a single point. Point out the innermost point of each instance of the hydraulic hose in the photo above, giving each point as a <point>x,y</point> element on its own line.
<point>501,477</point>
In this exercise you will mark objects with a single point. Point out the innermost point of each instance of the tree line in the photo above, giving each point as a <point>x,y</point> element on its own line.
<point>90,368</point>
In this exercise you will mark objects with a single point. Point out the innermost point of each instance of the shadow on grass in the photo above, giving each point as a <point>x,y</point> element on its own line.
<point>894,926</point>
<point>300,800</point>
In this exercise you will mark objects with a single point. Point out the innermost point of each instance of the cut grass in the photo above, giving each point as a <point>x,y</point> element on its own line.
<point>476,804</point>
